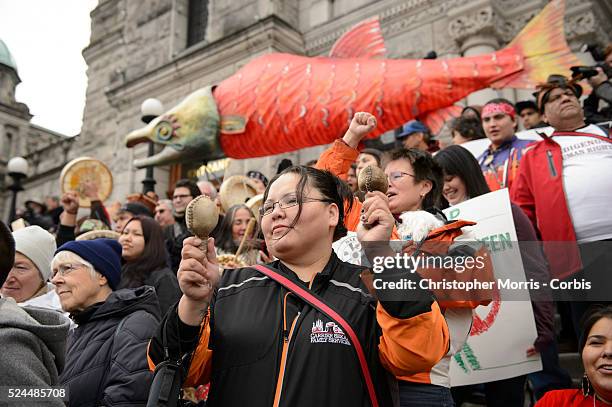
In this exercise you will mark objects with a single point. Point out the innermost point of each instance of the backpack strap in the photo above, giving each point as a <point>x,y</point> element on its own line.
<point>318,303</point>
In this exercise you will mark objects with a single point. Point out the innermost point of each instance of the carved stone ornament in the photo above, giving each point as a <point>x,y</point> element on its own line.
<point>580,25</point>
<point>482,21</point>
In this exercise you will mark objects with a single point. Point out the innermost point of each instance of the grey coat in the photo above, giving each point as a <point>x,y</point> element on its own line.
<point>33,345</point>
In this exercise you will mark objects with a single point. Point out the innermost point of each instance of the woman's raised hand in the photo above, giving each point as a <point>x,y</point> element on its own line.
<point>198,276</point>
<point>376,223</point>
<point>361,125</point>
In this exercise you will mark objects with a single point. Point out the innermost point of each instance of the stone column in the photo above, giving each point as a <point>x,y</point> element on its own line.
<point>474,32</point>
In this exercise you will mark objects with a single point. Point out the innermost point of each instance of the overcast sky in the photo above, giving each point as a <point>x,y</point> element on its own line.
<point>46,38</point>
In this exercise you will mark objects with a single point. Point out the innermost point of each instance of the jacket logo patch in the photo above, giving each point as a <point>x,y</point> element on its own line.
<point>330,333</point>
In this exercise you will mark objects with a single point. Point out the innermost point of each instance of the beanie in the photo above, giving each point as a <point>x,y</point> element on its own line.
<point>38,245</point>
<point>103,254</point>
<point>7,252</point>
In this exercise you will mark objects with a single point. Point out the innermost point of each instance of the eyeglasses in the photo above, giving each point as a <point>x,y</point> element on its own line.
<point>398,175</point>
<point>181,196</point>
<point>65,269</point>
<point>286,202</point>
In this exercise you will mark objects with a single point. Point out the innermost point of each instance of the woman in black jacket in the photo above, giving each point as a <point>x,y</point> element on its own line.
<point>262,345</point>
<point>105,354</point>
<point>145,261</point>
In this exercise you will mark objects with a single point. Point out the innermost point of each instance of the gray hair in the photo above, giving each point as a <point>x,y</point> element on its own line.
<point>166,202</point>
<point>67,256</point>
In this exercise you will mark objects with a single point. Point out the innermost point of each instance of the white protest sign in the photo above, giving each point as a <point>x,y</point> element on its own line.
<point>504,330</point>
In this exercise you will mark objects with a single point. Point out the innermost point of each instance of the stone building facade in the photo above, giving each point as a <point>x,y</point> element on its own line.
<point>45,150</point>
<point>168,48</point>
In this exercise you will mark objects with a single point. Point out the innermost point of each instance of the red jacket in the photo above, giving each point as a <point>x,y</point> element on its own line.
<point>538,190</point>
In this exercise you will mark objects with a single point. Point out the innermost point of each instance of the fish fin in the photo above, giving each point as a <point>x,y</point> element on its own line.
<point>233,124</point>
<point>436,119</point>
<point>543,47</point>
<point>363,40</point>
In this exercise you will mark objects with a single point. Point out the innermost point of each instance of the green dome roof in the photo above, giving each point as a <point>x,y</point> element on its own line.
<point>5,56</point>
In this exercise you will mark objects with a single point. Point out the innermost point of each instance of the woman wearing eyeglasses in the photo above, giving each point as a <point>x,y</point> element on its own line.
<point>105,355</point>
<point>414,193</point>
<point>262,345</point>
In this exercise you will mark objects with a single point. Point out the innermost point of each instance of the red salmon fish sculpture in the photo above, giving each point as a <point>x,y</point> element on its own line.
<point>280,102</point>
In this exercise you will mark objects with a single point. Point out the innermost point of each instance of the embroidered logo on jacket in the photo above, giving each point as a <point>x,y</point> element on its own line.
<point>330,333</point>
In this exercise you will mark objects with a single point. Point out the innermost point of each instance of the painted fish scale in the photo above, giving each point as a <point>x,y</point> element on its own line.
<point>350,85</point>
<point>279,102</point>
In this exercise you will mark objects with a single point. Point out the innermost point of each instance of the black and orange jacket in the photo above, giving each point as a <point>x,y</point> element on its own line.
<point>262,346</point>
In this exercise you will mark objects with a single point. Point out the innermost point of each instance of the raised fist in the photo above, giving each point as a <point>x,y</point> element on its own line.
<point>70,202</point>
<point>361,125</point>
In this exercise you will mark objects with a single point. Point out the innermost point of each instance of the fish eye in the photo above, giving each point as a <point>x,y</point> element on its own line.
<point>164,130</point>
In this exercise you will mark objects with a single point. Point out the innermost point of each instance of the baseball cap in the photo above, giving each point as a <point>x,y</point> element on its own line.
<point>413,126</point>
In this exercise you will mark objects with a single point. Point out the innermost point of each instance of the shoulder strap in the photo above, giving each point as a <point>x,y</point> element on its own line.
<point>320,305</point>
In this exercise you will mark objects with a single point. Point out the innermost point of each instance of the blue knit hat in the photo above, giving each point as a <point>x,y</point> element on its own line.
<point>103,254</point>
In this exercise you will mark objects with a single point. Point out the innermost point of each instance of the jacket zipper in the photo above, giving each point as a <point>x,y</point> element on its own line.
<point>287,336</point>
<point>551,164</point>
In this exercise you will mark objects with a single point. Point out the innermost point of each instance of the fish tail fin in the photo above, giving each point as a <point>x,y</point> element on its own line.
<point>543,47</point>
<point>364,40</point>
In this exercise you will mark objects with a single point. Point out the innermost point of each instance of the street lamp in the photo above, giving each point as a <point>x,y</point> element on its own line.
<point>17,169</point>
<point>150,109</point>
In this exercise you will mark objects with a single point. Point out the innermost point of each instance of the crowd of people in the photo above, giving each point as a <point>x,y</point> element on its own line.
<point>106,303</point>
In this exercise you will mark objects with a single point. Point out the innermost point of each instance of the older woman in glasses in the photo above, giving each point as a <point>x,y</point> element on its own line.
<point>414,193</point>
<point>105,355</point>
<point>260,338</point>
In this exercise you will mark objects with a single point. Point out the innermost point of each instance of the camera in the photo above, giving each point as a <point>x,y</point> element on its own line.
<point>586,72</point>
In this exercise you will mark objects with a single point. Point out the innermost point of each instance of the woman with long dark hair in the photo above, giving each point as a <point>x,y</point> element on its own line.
<point>261,343</point>
<point>596,351</point>
<point>145,261</point>
<point>463,177</point>
<point>463,180</point>
<point>232,231</point>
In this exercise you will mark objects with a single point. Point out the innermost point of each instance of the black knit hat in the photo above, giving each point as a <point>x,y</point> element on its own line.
<point>7,252</point>
<point>136,208</point>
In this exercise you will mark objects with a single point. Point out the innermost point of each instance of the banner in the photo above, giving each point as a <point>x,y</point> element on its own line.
<point>502,331</point>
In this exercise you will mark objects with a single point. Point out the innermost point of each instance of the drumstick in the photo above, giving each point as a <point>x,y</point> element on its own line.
<point>248,231</point>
